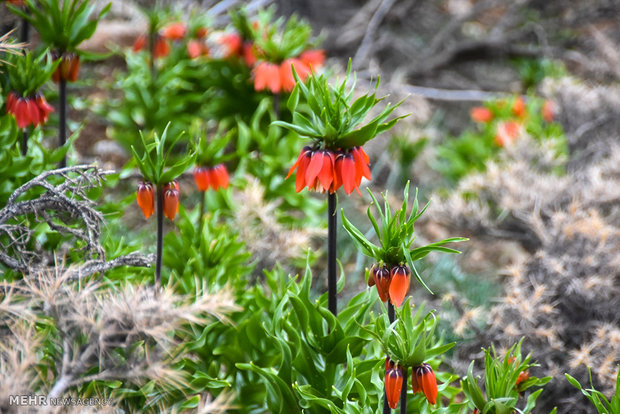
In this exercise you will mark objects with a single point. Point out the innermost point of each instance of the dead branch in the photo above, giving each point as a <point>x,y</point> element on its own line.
<point>365,46</point>
<point>65,207</point>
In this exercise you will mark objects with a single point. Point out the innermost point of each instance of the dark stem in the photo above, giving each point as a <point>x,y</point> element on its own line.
<point>25,142</point>
<point>160,236</point>
<point>276,105</point>
<point>386,406</point>
<point>403,392</point>
<point>25,29</point>
<point>151,41</point>
<point>62,117</point>
<point>332,223</point>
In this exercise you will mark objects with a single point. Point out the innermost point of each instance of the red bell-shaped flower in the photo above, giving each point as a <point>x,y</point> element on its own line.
<point>423,379</point>
<point>393,383</point>
<point>171,199</point>
<point>382,277</point>
<point>146,198</point>
<point>267,76</point>
<point>399,284</point>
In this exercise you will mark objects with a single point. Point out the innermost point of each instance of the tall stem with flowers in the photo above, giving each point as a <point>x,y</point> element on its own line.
<point>335,158</point>
<point>391,275</point>
<point>62,26</point>
<point>159,186</point>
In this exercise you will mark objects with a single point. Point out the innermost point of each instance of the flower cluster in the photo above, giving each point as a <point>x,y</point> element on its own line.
<point>175,32</point>
<point>146,198</point>
<point>68,68</point>
<point>32,110</point>
<point>422,380</point>
<point>279,77</point>
<point>211,177</point>
<point>327,170</point>
<point>392,283</point>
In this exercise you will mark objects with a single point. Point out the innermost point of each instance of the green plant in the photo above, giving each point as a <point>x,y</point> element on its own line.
<point>597,398</point>
<point>505,378</point>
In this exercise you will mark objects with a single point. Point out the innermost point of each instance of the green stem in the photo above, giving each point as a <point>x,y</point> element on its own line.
<point>201,218</point>
<point>160,235</point>
<point>332,223</point>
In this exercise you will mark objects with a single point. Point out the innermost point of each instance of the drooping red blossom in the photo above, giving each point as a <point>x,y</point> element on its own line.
<point>381,275</point>
<point>161,48</point>
<point>196,48</point>
<point>68,68</point>
<point>423,379</point>
<point>327,170</point>
<point>174,31</point>
<point>313,58</point>
<point>523,376</point>
<point>201,32</point>
<point>171,199</point>
<point>211,177</point>
<point>393,383</point>
<point>232,44</point>
<point>33,110</point>
<point>481,114</point>
<point>507,132</point>
<point>267,76</point>
<point>371,278</point>
<point>249,54</point>
<point>518,107</point>
<point>399,284</point>
<point>146,198</point>
<point>548,110</point>
<point>287,79</point>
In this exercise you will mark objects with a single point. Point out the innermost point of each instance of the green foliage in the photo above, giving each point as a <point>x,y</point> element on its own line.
<point>25,74</point>
<point>153,163</point>
<point>16,169</point>
<point>332,117</point>
<point>597,398</point>
<point>470,152</point>
<point>409,340</point>
<point>534,71</point>
<point>274,40</point>
<point>62,25</point>
<point>500,382</point>
<point>209,150</point>
<point>396,234</point>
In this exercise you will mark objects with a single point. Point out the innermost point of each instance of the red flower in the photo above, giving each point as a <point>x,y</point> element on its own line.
<point>518,107</point>
<point>381,276</point>
<point>211,177</point>
<point>481,114</point>
<point>523,376</point>
<point>326,170</point>
<point>399,284</point>
<point>196,48</point>
<point>507,133</point>
<point>68,68</point>
<point>33,110</point>
<point>393,383</point>
<point>423,380</point>
<point>313,58</point>
<point>160,49</point>
<point>171,199</point>
<point>249,54</point>
<point>146,198</point>
<point>232,43</point>
<point>174,31</point>
<point>548,110</point>
<point>287,79</point>
<point>267,76</point>
<point>44,107</point>
<point>201,32</point>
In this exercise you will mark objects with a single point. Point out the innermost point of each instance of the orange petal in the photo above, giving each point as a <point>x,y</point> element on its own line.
<point>399,285</point>
<point>429,384</point>
<point>326,175</point>
<point>315,166</point>
<point>300,179</point>
<point>171,203</point>
<point>393,385</point>
<point>348,174</point>
<point>361,165</point>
